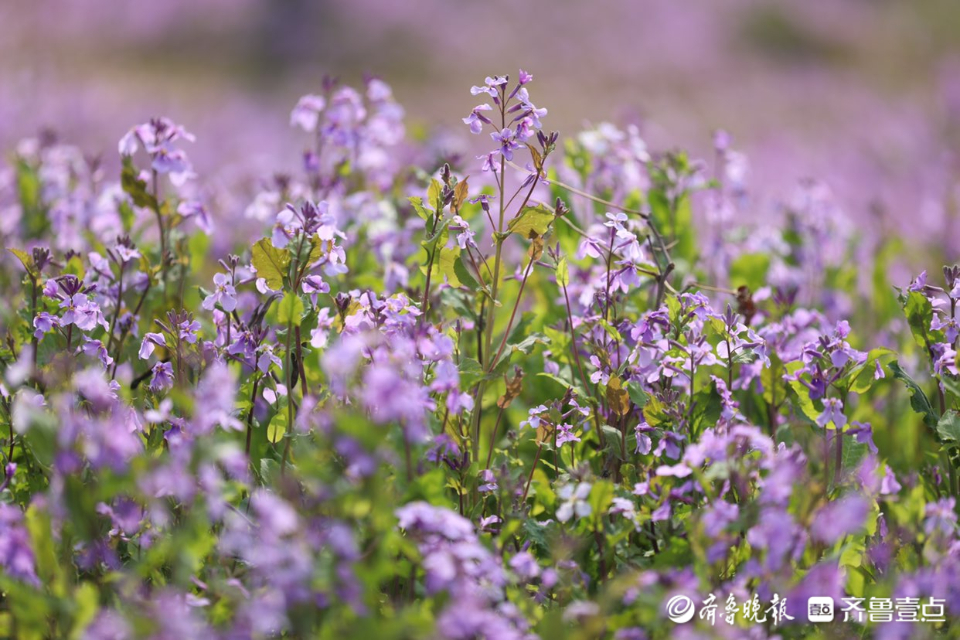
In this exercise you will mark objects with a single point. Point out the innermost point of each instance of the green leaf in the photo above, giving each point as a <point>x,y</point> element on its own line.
<point>863,375</point>
<point>919,314</point>
<point>563,273</point>
<point>948,427</point>
<point>470,372</point>
<point>600,499</point>
<point>44,551</point>
<point>435,193</point>
<point>271,263</point>
<point>135,187</point>
<point>439,237</point>
<point>525,346</point>
<point>566,385</point>
<point>290,310</point>
<point>654,412</point>
<point>277,427</point>
<point>853,453</point>
<point>750,270</point>
<point>918,399</point>
<point>424,213</point>
<point>532,220</point>
<point>34,221</point>
<point>464,276</point>
<point>26,259</point>
<point>638,395</point>
<point>612,437</point>
<point>449,257</point>
<point>86,601</point>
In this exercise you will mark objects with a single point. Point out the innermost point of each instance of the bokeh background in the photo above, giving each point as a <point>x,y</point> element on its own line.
<point>864,94</point>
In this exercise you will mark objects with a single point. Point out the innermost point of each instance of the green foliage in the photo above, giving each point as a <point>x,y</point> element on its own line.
<point>271,263</point>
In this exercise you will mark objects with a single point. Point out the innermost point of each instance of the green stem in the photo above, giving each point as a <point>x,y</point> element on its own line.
<point>513,315</point>
<point>116,312</point>
<point>530,477</point>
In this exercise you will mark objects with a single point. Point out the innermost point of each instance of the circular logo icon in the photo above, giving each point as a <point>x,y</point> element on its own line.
<point>680,609</point>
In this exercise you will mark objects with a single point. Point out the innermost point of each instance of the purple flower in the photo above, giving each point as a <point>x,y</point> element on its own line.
<point>95,349</point>
<point>534,416</point>
<point>306,114</point>
<point>644,443</point>
<point>941,516</point>
<point>157,138</point>
<point>507,140</point>
<point>678,470</point>
<point>465,235</point>
<point>223,294</point>
<point>215,398</point>
<point>840,518</point>
<point>445,449</point>
<point>718,517</point>
<point>476,119</point>
<point>565,434</point>
<point>919,283</point>
<point>949,326</point>
<point>150,342</point>
<point>43,323</point>
<point>16,555</point>
<point>314,284</point>
<point>162,377</point>
<point>832,412</point>
<point>525,566</point>
<point>82,312</point>
<point>489,482</point>
<point>187,330</point>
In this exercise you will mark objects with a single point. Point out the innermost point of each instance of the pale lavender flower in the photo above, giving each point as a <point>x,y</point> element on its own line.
<point>941,516</point>
<point>476,119</point>
<point>534,416</point>
<point>149,343</point>
<point>306,114</point>
<point>223,294</point>
<point>948,326</point>
<point>314,284</point>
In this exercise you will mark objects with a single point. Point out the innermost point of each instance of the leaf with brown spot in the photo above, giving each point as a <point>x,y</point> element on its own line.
<point>460,193</point>
<point>514,387</point>
<point>617,397</point>
<point>537,158</point>
<point>536,247</point>
<point>545,431</point>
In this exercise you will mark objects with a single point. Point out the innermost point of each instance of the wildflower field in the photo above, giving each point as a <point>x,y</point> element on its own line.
<point>565,389</point>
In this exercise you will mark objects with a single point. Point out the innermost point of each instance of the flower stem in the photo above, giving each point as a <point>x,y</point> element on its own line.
<point>532,469</point>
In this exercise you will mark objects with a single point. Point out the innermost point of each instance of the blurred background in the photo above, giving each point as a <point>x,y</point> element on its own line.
<point>864,94</point>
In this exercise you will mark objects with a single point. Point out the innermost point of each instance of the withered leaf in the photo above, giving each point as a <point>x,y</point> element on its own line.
<point>617,397</point>
<point>514,387</point>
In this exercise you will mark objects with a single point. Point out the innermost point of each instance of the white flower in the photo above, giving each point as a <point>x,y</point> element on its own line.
<point>574,501</point>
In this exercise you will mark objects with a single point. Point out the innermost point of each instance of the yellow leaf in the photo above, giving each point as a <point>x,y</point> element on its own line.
<point>271,263</point>
<point>617,397</point>
<point>534,220</point>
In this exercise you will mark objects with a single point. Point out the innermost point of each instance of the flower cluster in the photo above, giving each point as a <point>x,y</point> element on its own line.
<point>388,401</point>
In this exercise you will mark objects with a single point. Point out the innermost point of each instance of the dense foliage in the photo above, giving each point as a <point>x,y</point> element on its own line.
<point>389,401</point>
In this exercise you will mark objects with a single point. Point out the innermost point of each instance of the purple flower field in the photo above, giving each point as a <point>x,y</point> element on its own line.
<point>503,382</point>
